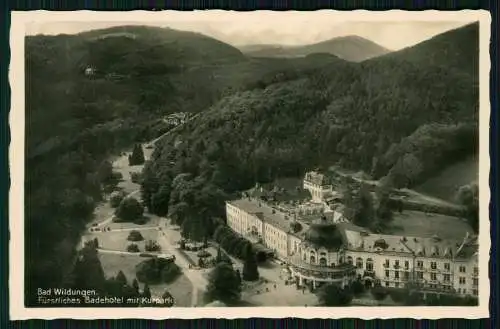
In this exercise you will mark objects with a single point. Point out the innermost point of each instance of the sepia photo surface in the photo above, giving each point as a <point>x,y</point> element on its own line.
<point>240,164</point>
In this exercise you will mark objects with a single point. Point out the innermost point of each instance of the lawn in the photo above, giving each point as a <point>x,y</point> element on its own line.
<point>445,184</point>
<point>414,223</point>
<point>181,289</point>
<point>117,240</point>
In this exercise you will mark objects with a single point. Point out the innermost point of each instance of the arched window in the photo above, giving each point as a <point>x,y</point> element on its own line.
<point>349,260</point>
<point>312,260</point>
<point>369,264</point>
<point>359,262</point>
<point>322,261</point>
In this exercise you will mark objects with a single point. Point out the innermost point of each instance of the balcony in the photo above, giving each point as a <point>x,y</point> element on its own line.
<point>327,273</point>
<point>396,267</point>
<point>386,265</point>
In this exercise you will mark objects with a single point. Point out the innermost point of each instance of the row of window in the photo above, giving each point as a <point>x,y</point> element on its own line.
<point>420,264</point>
<point>475,292</point>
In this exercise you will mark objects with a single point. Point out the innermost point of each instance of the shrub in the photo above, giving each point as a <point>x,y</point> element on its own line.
<point>135,177</point>
<point>129,210</point>
<point>116,198</point>
<point>133,248</point>
<point>379,292</point>
<point>414,299</point>
<point>333,295</point>
<point>157,270</point>
<point>135,236</point>
<point>152,245</point>
<point>357,287</point>
<point>399,295</point>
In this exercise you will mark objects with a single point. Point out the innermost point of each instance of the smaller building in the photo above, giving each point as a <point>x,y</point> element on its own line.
<point>319,185</point>
<point>89,71</point>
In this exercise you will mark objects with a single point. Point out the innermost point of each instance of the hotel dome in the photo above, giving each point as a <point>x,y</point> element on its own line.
<point>323,233</point>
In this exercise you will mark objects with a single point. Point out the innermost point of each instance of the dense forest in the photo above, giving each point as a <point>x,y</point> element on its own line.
<point>262,118</point>
<point>390,117</point>
<point>90,95</point>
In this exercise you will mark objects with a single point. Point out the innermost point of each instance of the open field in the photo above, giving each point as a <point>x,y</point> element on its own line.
<point>445,184</point>
<point>414,223</point>
<point>117,240</point>
<point>181,289</point>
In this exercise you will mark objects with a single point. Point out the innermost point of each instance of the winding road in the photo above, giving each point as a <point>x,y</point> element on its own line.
<point>120,164</point>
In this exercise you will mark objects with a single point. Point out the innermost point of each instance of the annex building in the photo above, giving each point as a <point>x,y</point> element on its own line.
<point>320,246</point>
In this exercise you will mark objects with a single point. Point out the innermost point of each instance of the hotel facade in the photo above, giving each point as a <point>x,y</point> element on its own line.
<point>320,246</point>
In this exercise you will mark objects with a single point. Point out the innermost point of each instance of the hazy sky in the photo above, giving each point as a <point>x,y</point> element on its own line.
<point>287,28</point>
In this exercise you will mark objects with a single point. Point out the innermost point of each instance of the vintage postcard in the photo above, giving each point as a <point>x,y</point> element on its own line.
<point>249,164</point>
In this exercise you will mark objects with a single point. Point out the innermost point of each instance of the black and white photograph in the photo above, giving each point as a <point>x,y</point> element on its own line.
<point>292,161</point>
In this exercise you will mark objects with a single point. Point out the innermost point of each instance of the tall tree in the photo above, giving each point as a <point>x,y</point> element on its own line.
<point>364,214</point>
<point>223,284</point>
<point>468,196</point>
<point>129,210</point>
<point>135,285</point>
<point>147,291</point>
<point>250,269</point>
<point>121,278</point>
<point>160,200</point>
<point>88,272</point>
<point>137,156</point>
<point>149,185</point>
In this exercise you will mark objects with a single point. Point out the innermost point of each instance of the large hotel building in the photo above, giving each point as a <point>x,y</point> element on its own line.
<point>320,246</point>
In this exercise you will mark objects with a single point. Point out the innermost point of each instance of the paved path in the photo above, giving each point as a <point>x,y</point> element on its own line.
<point>130,229</point>
<point>195,276</point>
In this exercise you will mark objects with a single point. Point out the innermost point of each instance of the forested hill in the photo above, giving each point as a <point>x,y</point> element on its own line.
<point>351,48</point>
<point>136,71</point>
<point>393,115</point>
<point>76,119</point>
<point>455,50</point>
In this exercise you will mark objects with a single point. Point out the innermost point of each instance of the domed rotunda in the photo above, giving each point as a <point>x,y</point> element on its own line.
<point>320,258</point>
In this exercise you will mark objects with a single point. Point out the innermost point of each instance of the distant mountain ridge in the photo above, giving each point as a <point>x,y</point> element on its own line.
<point>351,48</point>
<point>456,49</point>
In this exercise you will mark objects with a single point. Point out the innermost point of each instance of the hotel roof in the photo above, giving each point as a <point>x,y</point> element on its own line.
<point>275,218</point>
<point>432,247</point>
<point>270,215</point>
<point>317,178</point>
